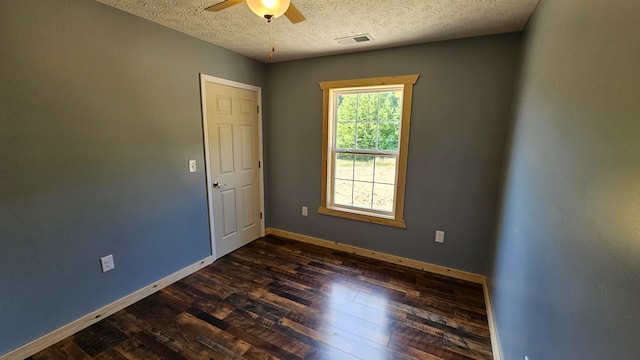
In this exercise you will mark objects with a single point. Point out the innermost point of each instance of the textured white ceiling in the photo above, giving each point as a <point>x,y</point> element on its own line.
<point>389,22</point>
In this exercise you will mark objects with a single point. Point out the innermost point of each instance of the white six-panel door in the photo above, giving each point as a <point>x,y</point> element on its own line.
<point>232,141</point>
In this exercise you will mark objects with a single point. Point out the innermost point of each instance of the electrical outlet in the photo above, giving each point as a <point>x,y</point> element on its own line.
<point>192,166</point>
<point>439,236</point>
<point>107,263</point>
<point>305,211</point>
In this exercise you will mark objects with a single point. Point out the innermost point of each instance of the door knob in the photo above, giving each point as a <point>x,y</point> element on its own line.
<point>217,185</point>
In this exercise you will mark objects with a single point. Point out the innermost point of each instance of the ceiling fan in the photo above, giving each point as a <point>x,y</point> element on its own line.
<point>262,8</point>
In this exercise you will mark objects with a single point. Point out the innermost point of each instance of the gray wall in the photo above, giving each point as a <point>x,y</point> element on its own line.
<point>566,279</point>
<point>99,113</point>
<point>458,129</point>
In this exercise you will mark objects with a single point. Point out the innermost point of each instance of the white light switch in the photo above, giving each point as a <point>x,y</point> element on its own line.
<point>192,166</point>
<point>439,236</point>
<point>305,211</point>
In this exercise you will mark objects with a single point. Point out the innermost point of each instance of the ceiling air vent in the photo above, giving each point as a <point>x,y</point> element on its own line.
<point>354,39</point>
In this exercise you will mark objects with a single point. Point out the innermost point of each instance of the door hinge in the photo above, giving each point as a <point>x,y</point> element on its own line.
<point>258,109</point>
<point>259,164</point>
<point>260,215</point>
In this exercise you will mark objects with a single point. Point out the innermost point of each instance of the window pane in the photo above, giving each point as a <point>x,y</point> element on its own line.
<point>347,107</point>
<point>363,169</point>
<point>368,107</point>
<point>385,170</point>
<point>383,197</point>
<point>343,192</point>
<point>367,133</point>
<point>390,106</point>
<point>388,135</point>
<point>362,192</point>
<point>344,166</point>
<point>346,135</point>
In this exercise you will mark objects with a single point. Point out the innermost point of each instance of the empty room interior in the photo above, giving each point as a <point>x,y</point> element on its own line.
<point>517,181</point>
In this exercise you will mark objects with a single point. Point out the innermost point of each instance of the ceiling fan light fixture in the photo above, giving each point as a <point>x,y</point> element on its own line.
<point>269,8</point>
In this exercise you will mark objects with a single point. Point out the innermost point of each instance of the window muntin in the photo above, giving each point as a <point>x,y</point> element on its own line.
<point>365,144</point>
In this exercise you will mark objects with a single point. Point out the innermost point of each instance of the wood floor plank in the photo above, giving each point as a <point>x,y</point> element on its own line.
<point>187,344</point>
<point>294,348</point>
<point>430,344</point>
<point>109,354</point>
<point>65,349</point>
<point>261,344</point>
<point>89,342</point>
<point>156,347</point>
<point>133,349</point>
<point>281,299</point>
<point>348,345</point>
<point>211,335</point>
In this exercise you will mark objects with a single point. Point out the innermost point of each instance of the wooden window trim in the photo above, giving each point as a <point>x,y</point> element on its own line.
<point>407,81</point>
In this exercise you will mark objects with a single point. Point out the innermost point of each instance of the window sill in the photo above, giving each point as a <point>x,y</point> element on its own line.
<point>360,217</point>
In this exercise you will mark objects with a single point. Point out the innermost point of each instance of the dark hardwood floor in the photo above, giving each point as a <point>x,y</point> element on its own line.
<point>282,299</point>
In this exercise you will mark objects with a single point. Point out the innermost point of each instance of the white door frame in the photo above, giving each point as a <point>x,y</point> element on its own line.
<point>216,80</point>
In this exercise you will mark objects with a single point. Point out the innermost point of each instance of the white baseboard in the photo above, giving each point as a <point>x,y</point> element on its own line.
<point>420,265</point>
<point>493,331</point>
<point>73,327</point>
<point>458,274</point>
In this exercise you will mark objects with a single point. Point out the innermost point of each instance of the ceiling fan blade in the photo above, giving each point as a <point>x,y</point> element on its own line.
<point>294,14</point>
<point>223,5</point>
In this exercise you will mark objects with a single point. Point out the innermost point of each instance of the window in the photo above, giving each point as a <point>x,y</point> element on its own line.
<point>365,139</point>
